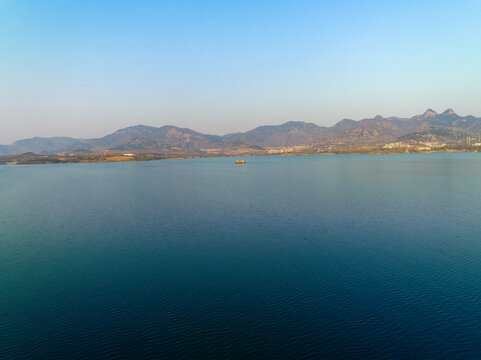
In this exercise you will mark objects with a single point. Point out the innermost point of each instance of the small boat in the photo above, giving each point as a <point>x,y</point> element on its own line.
<point>240,161</point>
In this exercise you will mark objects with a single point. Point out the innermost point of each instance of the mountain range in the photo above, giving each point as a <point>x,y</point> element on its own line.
<point>429,130</point>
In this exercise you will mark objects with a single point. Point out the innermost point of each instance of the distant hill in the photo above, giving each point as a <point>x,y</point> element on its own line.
<point>289,134</point>
<point>375,131</point>
<point>151,138</point>
<point>427,129</point>
<point>38,145</point>
<point>446,128</point>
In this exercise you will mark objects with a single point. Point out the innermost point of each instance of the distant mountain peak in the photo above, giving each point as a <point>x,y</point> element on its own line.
<point>429,113</point>
<point>295,123</point>
<point>449,112</point>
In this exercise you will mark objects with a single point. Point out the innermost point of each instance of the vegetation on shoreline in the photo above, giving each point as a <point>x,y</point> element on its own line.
<point>31,158</point>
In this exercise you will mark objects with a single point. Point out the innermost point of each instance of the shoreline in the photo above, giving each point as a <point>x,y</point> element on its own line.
<point>34,159</point>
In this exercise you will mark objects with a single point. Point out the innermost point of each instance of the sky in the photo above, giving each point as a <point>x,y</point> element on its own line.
<point>85,68</point>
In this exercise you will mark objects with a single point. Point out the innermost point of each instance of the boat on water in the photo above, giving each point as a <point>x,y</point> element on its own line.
<point>240,161</point>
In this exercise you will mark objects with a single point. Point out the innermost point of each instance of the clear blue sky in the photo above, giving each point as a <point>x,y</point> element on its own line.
<point>86,68</point>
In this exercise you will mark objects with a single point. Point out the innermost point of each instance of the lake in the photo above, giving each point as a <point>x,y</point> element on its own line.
<point>356,256</point>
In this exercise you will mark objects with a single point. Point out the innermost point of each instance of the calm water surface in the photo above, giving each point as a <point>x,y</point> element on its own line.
<point>371,256</point>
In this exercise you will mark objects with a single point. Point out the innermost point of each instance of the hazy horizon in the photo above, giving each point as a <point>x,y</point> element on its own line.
<point>232,132</point>
<point>86,69</point>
